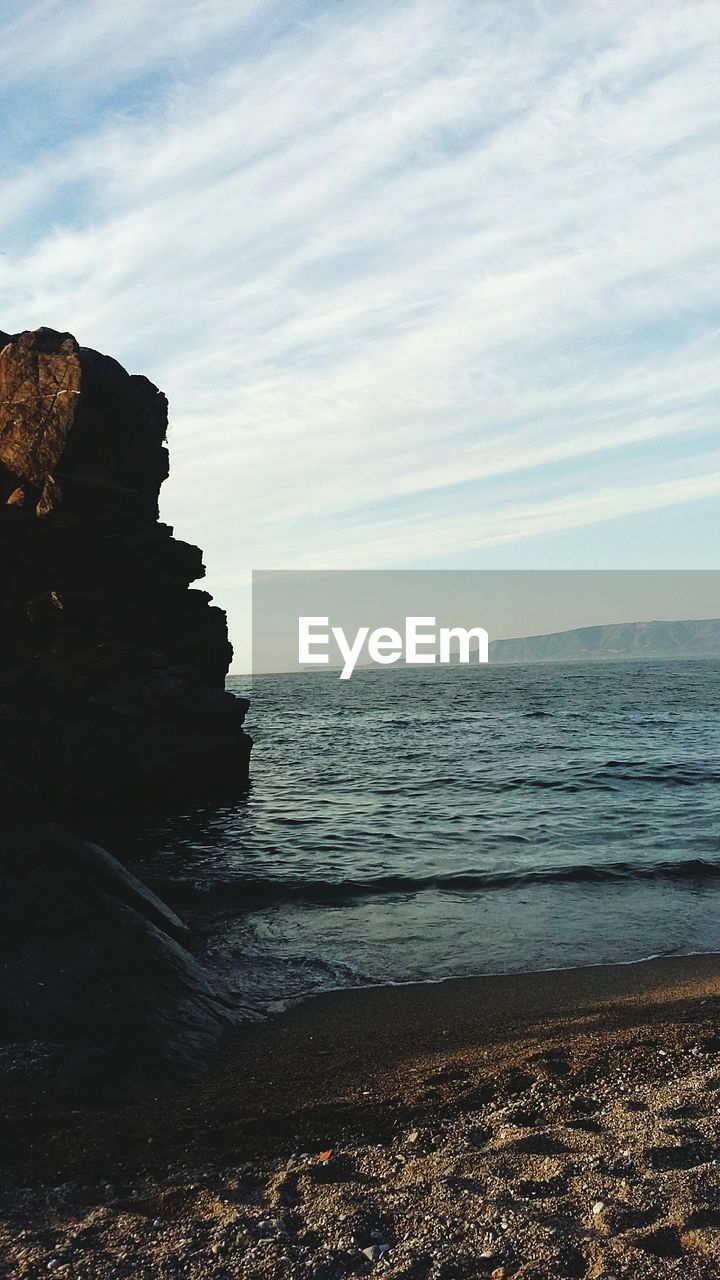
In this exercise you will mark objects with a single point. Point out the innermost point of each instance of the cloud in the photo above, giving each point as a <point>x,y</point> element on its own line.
<point>110,44</point>
<point>418,278</point>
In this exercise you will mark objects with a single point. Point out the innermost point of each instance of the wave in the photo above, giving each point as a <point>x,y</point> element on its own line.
<point>253,892</point>
<point>608,776</point>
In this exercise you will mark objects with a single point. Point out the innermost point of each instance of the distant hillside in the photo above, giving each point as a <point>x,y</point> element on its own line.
<point>690,639</point>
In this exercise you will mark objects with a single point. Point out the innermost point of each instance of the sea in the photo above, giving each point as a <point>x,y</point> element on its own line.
<point>416,824</point>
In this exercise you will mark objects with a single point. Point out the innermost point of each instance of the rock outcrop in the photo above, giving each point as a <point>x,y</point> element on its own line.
<point>112,694</point>
<point>112,667</point>
<point>96,965</point>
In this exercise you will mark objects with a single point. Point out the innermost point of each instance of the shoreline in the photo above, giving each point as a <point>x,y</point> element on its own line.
<point>284,1005</point>
<point>496,1009</point>
<point>474,1124</point>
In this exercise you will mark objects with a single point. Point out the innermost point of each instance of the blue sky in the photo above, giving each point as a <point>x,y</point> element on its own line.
<point>428,284</point>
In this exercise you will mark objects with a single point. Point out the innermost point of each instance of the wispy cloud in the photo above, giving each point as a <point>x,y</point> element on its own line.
<point>419,277</point>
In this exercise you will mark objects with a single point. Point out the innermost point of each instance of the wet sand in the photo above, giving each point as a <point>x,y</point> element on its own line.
<point>543,1125</point>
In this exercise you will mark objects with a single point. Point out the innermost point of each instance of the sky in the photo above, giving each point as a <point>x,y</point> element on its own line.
<point>428,283</point>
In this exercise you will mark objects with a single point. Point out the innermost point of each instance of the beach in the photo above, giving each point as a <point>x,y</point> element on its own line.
<point>550,1124</point>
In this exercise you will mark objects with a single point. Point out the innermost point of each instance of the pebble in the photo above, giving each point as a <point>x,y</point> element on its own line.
<point>375,1251</point>
<point>333,1237</point>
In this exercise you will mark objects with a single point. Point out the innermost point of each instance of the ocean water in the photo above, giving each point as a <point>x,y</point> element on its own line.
<point>417,824</point>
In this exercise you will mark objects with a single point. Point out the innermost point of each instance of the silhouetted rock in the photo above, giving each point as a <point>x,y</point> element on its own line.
<point>25,848</point>
<point>112,691</point>
<point>93,962</point>
<point>112,667</point>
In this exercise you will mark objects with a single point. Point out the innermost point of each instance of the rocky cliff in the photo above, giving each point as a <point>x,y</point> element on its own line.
<point>112,672</point>
<point>112,667</point>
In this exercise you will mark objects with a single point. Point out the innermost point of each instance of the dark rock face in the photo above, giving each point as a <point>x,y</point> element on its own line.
<point>94,963</point>
<point>112,668</point>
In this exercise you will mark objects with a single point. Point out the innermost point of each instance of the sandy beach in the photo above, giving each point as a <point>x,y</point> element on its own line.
<point>552,1124</point>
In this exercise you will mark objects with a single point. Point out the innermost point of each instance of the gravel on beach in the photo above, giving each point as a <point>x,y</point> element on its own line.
<point>535,1127</point>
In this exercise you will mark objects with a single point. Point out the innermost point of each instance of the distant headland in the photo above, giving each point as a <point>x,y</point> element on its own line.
<point>690,638</point>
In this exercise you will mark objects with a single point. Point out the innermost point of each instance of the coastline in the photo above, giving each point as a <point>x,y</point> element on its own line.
<point>527,1100</point>
<point>285,1005</point>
